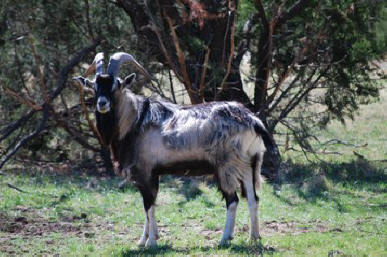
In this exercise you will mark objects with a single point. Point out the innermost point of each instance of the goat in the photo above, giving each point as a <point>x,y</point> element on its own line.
<point>150,137</point>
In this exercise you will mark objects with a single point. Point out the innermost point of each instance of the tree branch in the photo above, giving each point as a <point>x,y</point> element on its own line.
<point>39,127</point>
<point>293,11</point>
<point>181,60</point>
<point>231,56</point>
<point>203,75</point>
<point>45,108</point>
<point>16,124</point>
<point>86,113</point>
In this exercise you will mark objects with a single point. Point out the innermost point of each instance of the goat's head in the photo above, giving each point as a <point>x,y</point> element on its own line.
<point>105,85</point>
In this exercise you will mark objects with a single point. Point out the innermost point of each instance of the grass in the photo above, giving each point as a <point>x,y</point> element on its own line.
<point>312,215</point>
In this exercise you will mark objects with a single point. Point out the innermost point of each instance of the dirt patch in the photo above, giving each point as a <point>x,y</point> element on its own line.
<point>289,227</point>
<point>28,227</point>
<point>293,227</point>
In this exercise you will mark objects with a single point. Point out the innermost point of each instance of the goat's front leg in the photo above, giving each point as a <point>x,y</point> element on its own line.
<point>145,232</point>
<point>150,223</point>
<point>149,193</point>
<point>152,238</point>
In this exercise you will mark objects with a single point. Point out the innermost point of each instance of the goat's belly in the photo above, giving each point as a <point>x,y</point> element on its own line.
<point>186,168</point>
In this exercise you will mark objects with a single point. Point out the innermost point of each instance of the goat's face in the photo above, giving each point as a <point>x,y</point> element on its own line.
<point>105,87</point>
<point>104,90</point>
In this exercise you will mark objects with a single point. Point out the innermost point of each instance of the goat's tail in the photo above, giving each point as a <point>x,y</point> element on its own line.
<point>269,145</point>
<point>258,178</point>
<point>266,137</point>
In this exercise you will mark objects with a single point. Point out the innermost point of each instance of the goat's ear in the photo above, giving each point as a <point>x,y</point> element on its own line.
<point>129,80</point>
<point>81,80</point>
<point>87,84</point>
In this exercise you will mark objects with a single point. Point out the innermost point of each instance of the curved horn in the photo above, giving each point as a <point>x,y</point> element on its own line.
<point>97,65</point>
<point>118,58</point>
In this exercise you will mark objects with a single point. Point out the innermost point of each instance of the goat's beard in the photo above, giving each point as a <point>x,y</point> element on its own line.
<point>103,110</point>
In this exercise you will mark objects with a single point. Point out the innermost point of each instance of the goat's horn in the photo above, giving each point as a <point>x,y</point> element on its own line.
<point>97,65</point>
<point>118,58</point>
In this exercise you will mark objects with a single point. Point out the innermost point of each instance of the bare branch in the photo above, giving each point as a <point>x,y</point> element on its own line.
<point>42,83</point>
<point>181,60</point>
<point>203,76</point>
<point>86,113</point>
<point>172,88</point>
<point>231,55</point>
<point>22,99</point>
<point>16,124</point>
<point>89,27</point>
<point>293,11</point>
<point>39,128</point>
<point>262,14</point>
<point>16,188</point>
<point>285,75</point>
<point>61,84</point>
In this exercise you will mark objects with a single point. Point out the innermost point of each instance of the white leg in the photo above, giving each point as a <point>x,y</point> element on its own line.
<point>253,209</point>
<point>145,232</point>
<point>230,223</point>
<point>152,239</point>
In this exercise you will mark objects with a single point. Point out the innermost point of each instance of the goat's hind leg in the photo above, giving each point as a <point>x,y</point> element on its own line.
<point>232,204</point>
<point>253,201</point>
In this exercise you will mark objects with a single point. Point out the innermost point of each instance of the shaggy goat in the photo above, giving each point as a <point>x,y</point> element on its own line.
<point>150,137</point>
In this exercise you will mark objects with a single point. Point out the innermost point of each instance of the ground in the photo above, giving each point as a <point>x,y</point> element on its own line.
<point>59,215</point>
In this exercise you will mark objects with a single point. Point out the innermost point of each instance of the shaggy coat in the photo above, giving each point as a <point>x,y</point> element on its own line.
<point>220,138</point>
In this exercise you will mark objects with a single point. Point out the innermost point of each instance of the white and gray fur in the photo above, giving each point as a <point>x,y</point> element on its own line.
<point>151,137</point>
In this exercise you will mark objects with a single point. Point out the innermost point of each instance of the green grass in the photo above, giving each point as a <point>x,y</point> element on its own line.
<point>366,135</point>
<point>309,216</point>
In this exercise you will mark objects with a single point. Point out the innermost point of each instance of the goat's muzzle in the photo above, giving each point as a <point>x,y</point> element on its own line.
<point>103,105</point>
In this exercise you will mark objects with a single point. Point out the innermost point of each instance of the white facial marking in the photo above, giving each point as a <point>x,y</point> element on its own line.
<point>103,104</point>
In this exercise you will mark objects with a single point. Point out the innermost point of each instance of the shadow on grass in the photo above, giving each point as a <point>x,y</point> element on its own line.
<point>359,171</point>
<point>250,249</point>
<point>71,185</point>
<point>312,182</point>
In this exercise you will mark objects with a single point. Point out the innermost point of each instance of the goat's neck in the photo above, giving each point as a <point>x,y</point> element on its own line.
<point>105,126</point>
<point>126,111</point>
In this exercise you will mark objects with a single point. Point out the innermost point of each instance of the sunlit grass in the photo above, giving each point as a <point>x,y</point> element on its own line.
<point>346,218</point>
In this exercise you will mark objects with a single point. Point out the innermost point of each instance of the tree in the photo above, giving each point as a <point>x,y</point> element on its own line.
<point>297,48</point>
<point>42,43</point>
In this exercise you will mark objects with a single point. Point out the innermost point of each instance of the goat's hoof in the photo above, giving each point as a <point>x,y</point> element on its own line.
<point>151,243</point>
<point>255,237</point>
<point>225,240</point>
<point>142,241</point>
